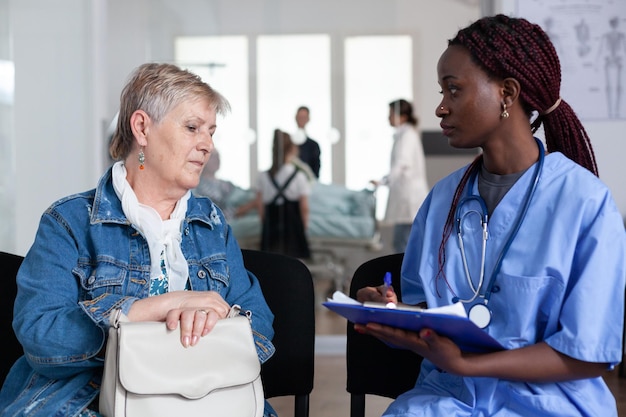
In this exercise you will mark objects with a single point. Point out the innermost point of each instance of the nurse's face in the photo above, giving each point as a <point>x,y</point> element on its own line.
<point>472,102</point>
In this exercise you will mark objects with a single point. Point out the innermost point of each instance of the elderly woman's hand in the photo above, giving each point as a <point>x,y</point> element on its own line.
<point>198,312</point>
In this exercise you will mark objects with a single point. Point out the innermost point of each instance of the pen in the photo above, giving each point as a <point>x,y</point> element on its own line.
<point>386,283</point>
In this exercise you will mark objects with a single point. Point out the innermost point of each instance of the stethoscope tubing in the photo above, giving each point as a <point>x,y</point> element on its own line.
<point>484,224</point>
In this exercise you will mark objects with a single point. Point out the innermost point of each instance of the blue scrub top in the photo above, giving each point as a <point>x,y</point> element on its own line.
<point>562,281</point>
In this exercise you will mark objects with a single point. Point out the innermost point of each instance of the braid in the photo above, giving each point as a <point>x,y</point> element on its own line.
<point>569,124</point>
<point>513,47</point>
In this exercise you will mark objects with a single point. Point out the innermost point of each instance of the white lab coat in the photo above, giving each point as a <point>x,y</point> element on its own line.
<point>407,176</point>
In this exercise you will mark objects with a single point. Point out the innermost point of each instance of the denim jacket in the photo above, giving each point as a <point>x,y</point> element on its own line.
<point>87,260</point>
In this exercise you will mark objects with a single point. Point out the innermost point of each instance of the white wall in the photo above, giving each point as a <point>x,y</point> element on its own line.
<point>607,139</point>
<point>54,108</point>
<point>73,56</point>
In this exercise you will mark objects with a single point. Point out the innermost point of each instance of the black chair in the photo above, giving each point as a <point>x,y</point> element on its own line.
<point>288,288</point>
<point>373,367</point>
<point>12,350</point>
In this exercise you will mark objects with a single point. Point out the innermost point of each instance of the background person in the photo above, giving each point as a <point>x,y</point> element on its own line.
<point>555,286</point>
<point>308,149</point>
<point>406,180</point>
<point>282,200</point>
<point>140,242</point>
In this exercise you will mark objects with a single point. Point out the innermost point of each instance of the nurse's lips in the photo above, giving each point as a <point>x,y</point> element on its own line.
<point>446,129</point>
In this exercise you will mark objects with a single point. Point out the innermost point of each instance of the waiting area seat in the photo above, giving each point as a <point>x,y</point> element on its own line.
<point>12,350</point>
<point>373,367</point>
<point>287,285</point>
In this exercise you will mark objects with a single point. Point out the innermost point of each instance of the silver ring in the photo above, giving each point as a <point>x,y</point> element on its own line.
<point>203,311</point>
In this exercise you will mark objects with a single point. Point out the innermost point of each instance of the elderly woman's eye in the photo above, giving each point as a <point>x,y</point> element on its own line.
<point>192,128</point>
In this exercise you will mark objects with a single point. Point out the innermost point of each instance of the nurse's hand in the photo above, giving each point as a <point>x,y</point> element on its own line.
<point>380,294</point>
<point>440,350</point>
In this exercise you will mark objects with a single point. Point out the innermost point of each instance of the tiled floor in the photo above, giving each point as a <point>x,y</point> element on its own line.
<point>330,398</point>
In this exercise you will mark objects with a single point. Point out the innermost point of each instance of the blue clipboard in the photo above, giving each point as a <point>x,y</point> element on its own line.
<point>461,330</point>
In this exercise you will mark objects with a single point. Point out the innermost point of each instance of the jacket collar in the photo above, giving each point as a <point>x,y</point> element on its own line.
<point>107,207</point>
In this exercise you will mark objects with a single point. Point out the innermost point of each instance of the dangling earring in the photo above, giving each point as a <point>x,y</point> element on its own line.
<point>142,159</point>
<point>505,112</point>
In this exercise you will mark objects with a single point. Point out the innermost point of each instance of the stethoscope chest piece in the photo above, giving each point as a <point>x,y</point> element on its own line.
<point>480,315</point>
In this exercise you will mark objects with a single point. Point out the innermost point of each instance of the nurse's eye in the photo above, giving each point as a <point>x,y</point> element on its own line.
<point>452,89</point>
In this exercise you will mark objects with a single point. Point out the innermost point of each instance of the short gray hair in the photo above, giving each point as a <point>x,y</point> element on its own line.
<point>156,89</point>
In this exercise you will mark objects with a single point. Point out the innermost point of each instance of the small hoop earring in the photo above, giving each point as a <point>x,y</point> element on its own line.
<point>142,159</point>
<point>505,112</point>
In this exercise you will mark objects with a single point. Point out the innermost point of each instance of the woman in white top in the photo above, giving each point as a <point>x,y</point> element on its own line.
<point>407,175</point>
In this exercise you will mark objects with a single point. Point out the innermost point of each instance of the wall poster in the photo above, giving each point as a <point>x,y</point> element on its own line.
<point>590,39</point>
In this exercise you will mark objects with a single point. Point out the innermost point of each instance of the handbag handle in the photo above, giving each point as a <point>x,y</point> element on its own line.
<point>118,317</point>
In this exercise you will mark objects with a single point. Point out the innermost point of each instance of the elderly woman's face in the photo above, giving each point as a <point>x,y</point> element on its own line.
<point>180,145</point>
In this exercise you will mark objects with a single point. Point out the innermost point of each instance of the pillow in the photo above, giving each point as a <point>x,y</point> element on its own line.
<point>363,203</point>
<point>330,199</point>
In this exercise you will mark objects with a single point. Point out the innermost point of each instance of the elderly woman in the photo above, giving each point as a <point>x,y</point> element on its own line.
<point>140,241</point>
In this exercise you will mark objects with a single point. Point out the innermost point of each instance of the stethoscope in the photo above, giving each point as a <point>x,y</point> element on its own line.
<point>480,313</point>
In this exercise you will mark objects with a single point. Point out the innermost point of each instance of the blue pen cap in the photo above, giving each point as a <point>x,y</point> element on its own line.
<point>387,279</point>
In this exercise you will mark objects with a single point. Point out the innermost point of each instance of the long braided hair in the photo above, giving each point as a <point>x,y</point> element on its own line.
<point>508,47</point>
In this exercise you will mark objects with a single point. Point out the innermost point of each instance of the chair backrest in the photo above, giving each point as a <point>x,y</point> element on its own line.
<point>12,350</point>
<point>372,366</point>
<point>287,285</point>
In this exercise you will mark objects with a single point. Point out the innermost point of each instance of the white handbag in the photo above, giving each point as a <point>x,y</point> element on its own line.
<point>147,371</point>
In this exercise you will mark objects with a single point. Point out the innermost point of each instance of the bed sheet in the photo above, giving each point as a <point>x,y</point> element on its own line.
<point>335,212</point>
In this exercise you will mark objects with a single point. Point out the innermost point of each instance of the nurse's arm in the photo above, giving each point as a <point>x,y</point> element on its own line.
<point>535,363</point>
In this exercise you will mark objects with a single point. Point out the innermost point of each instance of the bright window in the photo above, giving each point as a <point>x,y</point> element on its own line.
<point>378,70</point>
<point>294,71</point>
<point>222,62</point>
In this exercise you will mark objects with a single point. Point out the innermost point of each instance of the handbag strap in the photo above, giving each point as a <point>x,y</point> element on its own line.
<point>236,310</point>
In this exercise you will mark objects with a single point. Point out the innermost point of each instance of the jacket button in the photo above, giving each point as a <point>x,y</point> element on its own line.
<point>201,274</point>
<point>91,280</point>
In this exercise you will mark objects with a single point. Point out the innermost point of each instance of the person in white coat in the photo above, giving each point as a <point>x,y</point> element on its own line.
<point>406,180</point>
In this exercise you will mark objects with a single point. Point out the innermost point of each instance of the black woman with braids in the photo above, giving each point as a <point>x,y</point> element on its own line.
<point>529,241</point>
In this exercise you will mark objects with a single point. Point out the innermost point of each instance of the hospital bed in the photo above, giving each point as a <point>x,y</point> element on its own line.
<point>342,230</point>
